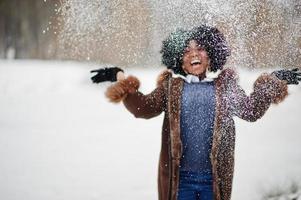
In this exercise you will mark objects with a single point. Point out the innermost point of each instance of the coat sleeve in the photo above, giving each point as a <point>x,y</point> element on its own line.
<point>140,105</point>
<point>267,89</point>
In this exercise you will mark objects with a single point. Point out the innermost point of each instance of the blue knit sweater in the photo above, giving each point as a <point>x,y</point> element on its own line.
<point>197,121</point>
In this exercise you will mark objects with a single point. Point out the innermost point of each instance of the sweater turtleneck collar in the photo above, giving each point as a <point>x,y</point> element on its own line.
<point>189,78</point>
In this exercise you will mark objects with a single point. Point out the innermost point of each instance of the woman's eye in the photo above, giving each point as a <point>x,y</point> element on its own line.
<point>186,49</point>
<point>200,47</point>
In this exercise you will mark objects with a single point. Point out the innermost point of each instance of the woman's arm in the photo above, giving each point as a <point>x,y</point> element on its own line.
<point>142,106</point>
<point>267,89</point>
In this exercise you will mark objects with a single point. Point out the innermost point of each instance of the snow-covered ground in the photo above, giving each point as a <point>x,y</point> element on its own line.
<point>61,139</point>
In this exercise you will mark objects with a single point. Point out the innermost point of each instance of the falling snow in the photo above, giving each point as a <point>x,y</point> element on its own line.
<point>261,33</point>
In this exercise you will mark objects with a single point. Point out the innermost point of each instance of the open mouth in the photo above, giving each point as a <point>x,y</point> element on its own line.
<point>195,62</point>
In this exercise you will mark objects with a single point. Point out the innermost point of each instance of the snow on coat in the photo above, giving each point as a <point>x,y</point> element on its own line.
<point>231,100</point>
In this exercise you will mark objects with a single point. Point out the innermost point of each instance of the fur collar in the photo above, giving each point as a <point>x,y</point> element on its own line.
<point>225,75</point>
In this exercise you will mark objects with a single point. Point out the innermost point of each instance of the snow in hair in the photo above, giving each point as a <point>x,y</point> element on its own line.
<point>210,38</point>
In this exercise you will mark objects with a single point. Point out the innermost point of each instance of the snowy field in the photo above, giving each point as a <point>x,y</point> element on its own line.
<point>60,139</point>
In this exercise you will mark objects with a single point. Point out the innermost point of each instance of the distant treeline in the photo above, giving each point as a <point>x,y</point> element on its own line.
<point>261,33</point>
<point>22,23</point>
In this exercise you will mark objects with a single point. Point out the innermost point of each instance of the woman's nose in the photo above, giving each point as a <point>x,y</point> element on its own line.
<point>194,53</point>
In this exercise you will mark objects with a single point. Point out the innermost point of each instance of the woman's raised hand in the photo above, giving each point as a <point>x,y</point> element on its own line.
<point>107,74</point>
<point>291,76</point>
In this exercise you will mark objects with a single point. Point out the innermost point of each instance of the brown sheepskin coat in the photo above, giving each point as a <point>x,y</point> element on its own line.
<point>231,100</point>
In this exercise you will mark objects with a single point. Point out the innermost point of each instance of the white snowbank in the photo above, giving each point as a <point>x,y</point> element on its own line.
<point>61,139</point>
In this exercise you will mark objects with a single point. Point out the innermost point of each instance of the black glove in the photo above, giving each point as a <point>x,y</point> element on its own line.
<point>105,74</point>
<point>291,76</point>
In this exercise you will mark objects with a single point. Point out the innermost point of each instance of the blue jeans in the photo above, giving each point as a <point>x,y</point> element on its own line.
<point>195,186</point>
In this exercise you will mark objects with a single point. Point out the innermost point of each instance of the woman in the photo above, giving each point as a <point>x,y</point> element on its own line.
<point>199,100</point>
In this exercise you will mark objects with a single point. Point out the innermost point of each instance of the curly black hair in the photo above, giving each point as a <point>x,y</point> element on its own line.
<point>210,38</point>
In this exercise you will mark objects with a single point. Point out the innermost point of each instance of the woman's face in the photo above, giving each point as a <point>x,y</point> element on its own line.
<point>195,59</point>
